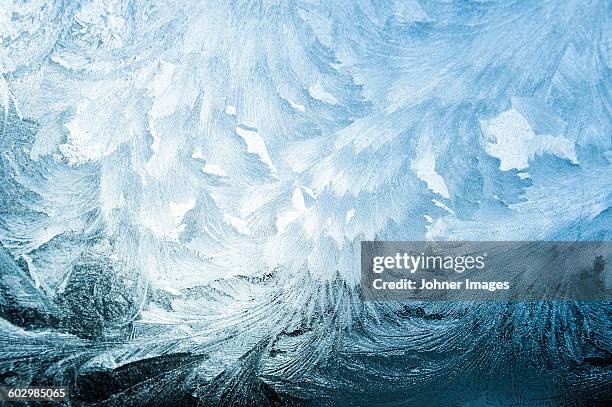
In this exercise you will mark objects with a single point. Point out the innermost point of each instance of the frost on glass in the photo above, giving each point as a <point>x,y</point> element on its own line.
<point>184,186</point>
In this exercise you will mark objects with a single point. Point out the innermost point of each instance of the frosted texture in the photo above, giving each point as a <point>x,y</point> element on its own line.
<point>184,185</point>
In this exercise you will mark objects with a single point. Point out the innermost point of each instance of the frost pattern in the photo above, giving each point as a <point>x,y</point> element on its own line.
<point>184,186</point>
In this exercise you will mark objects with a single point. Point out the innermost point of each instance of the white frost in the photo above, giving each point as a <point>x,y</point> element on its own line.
<point>256,145</point>
<point>511,139</point>
<point>239,224</point>
<point>317,92</point>
<point>425,169</point>
<point>349,214</point>
<point>214,169</point>
<point>230,110</point>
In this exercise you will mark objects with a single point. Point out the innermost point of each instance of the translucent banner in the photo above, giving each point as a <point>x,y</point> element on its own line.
<point>494,271</point>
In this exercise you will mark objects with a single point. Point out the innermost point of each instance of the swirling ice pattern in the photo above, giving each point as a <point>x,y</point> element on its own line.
<point>184,186</point>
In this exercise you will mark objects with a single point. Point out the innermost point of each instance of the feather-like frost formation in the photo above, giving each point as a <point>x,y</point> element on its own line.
<point>184,187</point>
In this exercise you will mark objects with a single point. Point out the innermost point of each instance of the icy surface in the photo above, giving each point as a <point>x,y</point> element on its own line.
<point>184,186</point>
